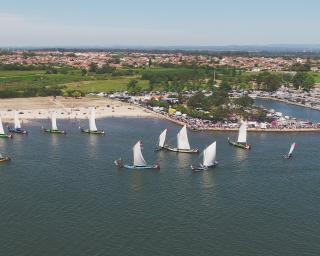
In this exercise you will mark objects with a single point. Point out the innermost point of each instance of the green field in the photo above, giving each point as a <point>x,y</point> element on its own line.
<point>316,77</point>
<point>108,85</point>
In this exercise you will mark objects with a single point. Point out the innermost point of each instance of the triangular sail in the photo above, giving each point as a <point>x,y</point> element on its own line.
<point>242,138</point>
<point>17,124</point>
<point>1,127</point>
<point>92,121</point>
<point>138,159</point>
<point>293,145</point>
<point>182,139</point>
<point>54,121</point>
<point>209,154</point>
<point>162,138</point>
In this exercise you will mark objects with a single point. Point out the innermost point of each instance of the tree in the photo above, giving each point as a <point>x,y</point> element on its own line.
<point>93,67</point>
<point>244,101</point>
<point>84,72</point>
<point>303,80</point>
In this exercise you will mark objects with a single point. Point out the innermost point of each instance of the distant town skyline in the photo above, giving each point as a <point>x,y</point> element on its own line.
<point>158,23</point>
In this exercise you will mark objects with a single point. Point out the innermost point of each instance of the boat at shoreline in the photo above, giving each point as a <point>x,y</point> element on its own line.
<point>54,128</point>
<point>242,138</point>
<point>209,159</point>
<point>17,125</point>
<point>138,160</point>
<point>183,145</point>
<point>289,155</point>
<point>92,125</point>
<point>2,133</point>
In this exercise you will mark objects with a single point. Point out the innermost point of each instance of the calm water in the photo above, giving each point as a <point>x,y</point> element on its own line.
<point>291,110</point>
<point>61,195</point>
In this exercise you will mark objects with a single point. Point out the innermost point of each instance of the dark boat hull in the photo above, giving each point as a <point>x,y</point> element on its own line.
<point>177,150</point>
<point>54,131</point>
<point>93,132</point>
<point>19,131</point>
<point>203,168</point>
<point>239,145</point>
<point>119,163</point>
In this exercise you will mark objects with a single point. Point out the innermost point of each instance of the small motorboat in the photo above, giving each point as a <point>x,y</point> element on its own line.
<point>138,161</point>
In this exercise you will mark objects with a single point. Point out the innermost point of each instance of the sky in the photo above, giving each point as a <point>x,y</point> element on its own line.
<point>158,22</point>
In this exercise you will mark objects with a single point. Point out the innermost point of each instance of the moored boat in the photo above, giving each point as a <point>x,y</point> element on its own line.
<point>242,138</point>
<point>17,125</point>
<point>183,145</point>
<point>138,160</point>
<point>289,155</point>
<point>54,128</point>
<point>2,133</point>
<point>209,158</point>
<point>92,125</point>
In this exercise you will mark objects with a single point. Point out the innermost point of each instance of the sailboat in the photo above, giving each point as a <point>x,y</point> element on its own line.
<point>54,127</point>
<point>17,125</point>
<point>92,124</point>
<point>4,158</point>
<point>2,133</point>
<point>162,140</point>
<point>289,155</point>
<point>242,138</point>
<point>209,158</point>
<point>183,145</point>
<point>138,160</point>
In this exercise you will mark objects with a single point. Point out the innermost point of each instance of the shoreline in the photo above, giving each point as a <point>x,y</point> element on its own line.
<point>40,108</point>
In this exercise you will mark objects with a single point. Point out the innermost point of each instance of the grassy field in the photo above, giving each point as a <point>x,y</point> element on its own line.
<point>316,77</point>
<point>108,85</point>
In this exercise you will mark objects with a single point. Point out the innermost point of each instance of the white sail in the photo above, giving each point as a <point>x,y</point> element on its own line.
<point>92,121</point>
<point>17,124</point>
<point>293,145</point>
<point>242,138</point>
<point>54,121</point>
<point>138,159</point>
<point>209,154</point>
<point>1,127</point>
<point>182,139</point>
<point>162,138</point>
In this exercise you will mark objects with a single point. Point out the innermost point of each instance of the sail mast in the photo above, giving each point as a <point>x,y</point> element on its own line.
<point>162,138</point>
<point>92,121</point>
<point>242,137</point>
<point>17,124</point>
<point>138,159</point>
<point>182,139</point>
<point>54,121</point>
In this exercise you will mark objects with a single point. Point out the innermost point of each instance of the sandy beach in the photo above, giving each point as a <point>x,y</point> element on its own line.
<point>68,108</point>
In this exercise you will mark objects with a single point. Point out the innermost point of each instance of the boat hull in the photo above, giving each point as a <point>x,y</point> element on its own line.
<point>202,167</point>
<point>119,163</point>
<point>5,159</point>
<point>93,132</point>
<point>19,131</point>
<point>177,150</point>
<point>239,145</point>
<point>6,136</point>
<point>54,131</point>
